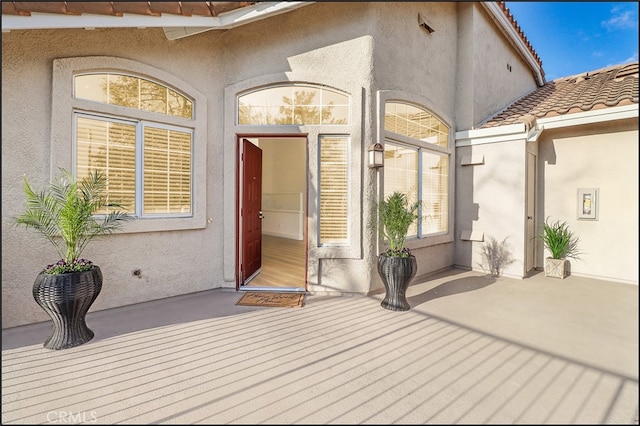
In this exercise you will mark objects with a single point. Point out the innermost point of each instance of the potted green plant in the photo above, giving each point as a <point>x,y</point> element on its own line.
<point>562,244</point>
<point>396,265</point>
<point>66,214</point>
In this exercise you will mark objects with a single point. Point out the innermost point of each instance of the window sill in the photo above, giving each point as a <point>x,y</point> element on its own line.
<point>162,224</point>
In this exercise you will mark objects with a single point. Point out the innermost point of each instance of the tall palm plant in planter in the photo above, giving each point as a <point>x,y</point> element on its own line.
<point>396,266</point>
<point>65,214</point>
<point>562,244</point>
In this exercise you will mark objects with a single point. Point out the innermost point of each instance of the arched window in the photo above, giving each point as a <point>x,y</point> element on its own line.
<point>147,158</point>
<point>416,162</point>
<point>133,92</point>
<point>293,105</point>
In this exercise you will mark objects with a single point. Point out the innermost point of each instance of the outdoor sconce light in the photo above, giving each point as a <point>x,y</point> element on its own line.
<point>376,155</point>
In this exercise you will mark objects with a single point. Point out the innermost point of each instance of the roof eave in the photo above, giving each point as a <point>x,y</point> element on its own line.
<point>531,132</point>
<point>589,117</point>
<point>175,27</point>
<point>501,20</point>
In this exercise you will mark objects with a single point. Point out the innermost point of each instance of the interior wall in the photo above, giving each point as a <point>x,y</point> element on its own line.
<point>284,165</point>
<point>284,169</point>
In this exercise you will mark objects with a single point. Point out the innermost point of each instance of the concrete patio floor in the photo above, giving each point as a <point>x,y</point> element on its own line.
<point>472,349</point>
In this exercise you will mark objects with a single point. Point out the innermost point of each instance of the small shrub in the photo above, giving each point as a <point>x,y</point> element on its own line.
<point>64,213</point>
<point>396,215</point>
<point>560,240</point>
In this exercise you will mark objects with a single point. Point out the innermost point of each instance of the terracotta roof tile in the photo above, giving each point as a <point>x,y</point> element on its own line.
<point>516,26</point>
<point>117,8</point>
<point>604,88</point>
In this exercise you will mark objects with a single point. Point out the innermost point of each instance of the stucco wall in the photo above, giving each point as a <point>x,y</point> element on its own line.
<point>408,58</point>
<point>190,261</point>
<point>490,72</point>
<point>490,200</point>
<point>321,44</point>
<point>594,156</point>
<point>415,66</point>
<point>330,44</point>
<point>302,46</point>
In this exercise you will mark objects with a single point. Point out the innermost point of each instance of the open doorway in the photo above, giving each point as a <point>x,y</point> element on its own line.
<point>281,177</point>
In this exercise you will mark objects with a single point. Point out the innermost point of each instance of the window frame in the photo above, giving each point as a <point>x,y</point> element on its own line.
<point>347,139</point>
<point>293,86</point>
<point>384,135</point>
<point>65,108</point>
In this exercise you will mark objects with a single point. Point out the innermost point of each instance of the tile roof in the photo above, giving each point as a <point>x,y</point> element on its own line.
<point>183,8</point>
<point>516,26</point>
<point>603,88</point>
<point>117,8</point>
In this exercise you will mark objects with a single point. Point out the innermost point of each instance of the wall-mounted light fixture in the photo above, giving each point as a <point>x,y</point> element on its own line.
<point>424,25</point>
<point>376,155</point>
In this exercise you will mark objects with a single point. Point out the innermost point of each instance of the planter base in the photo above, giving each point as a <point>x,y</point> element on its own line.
<point>66,298</point>
<point>396,274</point>
<point>556,268</point>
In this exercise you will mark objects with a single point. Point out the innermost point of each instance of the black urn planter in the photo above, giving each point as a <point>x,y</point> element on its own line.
<point>66,298</point>
<point>396,274</point>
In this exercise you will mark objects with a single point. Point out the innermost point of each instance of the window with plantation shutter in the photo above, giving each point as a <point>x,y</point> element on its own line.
<point>401,174</point>
<point>108,146</point>
<point>334,190</point>
<point>167,171</point>
<point>148,164</point>
<point>435,193</point>
<point>416,162</point>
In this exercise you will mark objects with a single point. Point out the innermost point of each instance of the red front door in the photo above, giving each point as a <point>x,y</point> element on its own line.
<point>250,210</point>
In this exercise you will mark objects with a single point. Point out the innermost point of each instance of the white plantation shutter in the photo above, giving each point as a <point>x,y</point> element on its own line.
<point>108,147</point>
<point>435,193</point>
<point>334,190</point>
<point>415,123</point>
<point>167,171</point>
<point>401,174</point>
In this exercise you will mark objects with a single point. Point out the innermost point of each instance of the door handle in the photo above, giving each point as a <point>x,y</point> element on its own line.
<point>260,215</point>
<point>529,217</point>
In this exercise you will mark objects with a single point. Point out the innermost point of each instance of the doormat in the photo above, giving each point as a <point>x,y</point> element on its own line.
<point>272,299</point>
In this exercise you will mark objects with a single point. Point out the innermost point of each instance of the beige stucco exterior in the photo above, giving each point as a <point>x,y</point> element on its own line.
<point>578,153</point>
<point>371,51</point>
<point>604,157</point>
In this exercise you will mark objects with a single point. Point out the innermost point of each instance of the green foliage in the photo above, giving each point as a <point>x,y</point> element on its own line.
<point>63,213</point>
<point>396,215</point>
<point>560,240</point>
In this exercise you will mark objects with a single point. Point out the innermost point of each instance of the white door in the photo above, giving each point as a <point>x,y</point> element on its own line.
<point>530,209</point>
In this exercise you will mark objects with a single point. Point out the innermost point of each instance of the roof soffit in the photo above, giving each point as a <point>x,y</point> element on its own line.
<point>178,19</point>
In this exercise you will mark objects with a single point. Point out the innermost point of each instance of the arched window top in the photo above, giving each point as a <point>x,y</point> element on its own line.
<point>293,104</point>
<point>415,122</point>
<point>132,92</point>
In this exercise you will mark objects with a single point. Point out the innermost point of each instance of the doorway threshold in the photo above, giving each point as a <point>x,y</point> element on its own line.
<point>274,289</point>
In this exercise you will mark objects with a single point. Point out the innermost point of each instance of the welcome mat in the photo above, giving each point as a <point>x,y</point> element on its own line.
<point>272,299</point>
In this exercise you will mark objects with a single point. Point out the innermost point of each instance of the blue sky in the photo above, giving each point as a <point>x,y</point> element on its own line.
<point>575,37</point>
